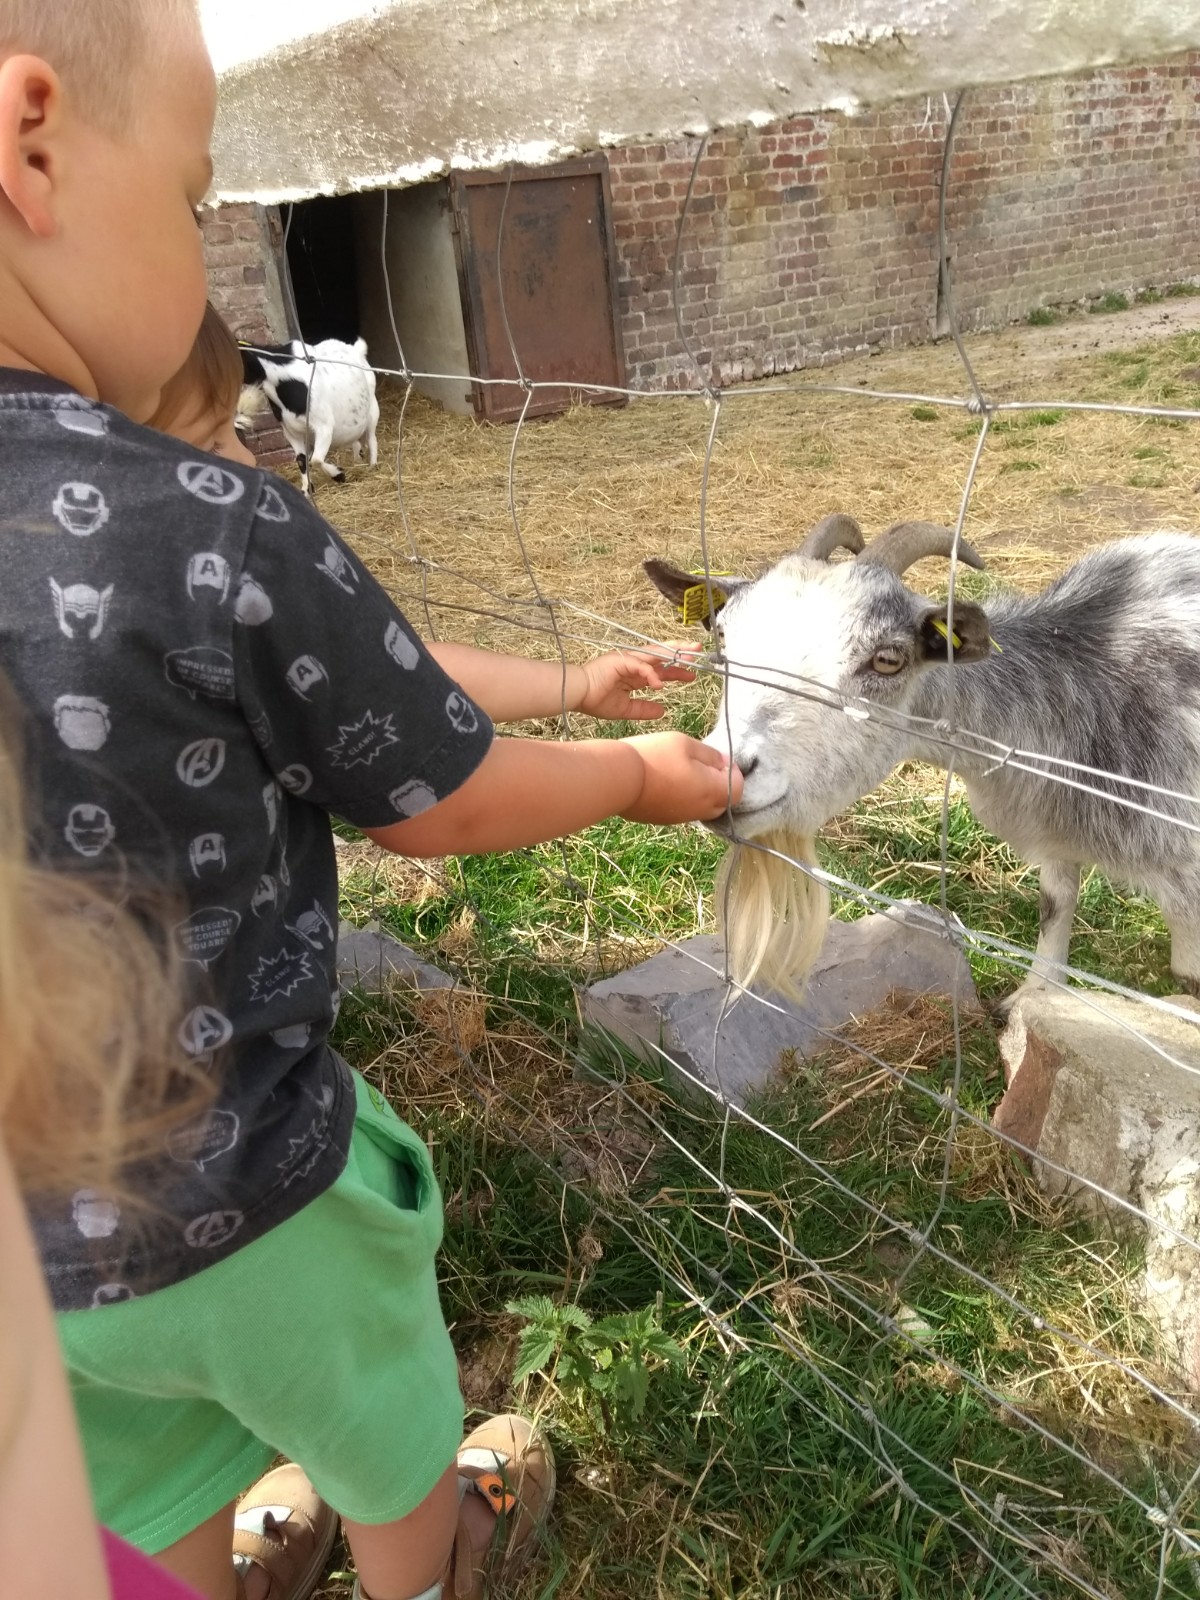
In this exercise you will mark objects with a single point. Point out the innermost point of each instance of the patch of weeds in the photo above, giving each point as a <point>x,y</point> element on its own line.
<point>1110,302</point>
<point>925,413</point>
<point>1021,466</point>
<point>1166,422</point>
<point>1180,291</point>
<point>1024,421</point>
<point>1043,317</point>
<point>1148,297</point>
<point>1146,480</point>
<point>1150,452</point>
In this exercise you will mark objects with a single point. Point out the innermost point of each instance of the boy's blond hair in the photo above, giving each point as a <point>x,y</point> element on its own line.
<point>98,47</point>
<point>93,1072</point>
<point>208,383</point>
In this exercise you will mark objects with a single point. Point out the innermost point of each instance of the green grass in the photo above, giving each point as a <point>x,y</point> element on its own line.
<point>754,1471</point>
<point>925,413</point>
<point>1110,302</point>
<point>1043,317</point>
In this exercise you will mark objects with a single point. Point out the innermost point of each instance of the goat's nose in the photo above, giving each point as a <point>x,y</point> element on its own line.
<point>748,765</point>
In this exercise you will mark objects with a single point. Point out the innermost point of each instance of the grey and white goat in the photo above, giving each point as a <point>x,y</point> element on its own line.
<point>1101,669</point>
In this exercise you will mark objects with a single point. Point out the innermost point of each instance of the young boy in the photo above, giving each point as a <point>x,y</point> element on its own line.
<point>208,673</point>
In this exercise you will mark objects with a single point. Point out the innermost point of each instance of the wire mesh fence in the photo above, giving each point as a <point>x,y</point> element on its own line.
<point>945,1371</point>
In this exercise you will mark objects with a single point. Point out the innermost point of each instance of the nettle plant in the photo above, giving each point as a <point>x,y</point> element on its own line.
<point>604,1364</point>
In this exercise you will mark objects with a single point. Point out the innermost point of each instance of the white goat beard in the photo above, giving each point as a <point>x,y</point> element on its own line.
<point>772,915</point>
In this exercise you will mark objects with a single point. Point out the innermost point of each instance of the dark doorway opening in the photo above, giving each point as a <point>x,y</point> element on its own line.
<point>323,265</point>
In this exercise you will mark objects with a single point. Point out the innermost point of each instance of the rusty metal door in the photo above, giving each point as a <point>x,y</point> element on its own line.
<point>559,275</point>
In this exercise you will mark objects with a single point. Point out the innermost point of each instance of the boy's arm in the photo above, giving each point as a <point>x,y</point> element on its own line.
<point>526,791</point>
<point>511,688</point>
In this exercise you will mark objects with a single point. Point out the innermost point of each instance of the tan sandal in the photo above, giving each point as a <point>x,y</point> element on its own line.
<point>510,1465</point>
<point>283,1526</point>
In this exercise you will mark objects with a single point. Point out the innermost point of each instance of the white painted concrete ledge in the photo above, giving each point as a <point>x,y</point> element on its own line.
<point>332,96</point>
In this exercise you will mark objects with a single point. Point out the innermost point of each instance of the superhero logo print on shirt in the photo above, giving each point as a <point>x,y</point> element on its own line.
<point>304,1152</point>
<point>260,727</point>
<point>111,1294</point>
<point>73,412</point>
<point>411,798</point>
<point>333,565</point>
<point>203,935</point>
<point>210,483</point>
<point>96,1215</point>
<point>280,975</point>
<point>270,505</point>
<point>313,927</point>
<point>265,896</point>
<point>89,830</point>
<point>304,674</point>
<point>296,779</point>
<point>79,603</point>
<point>204,1139</point>
<point>201,669</point>
<point>294,1037</point>
<point>361,742</point>
<point>400,646</point>
<point>200,763</point>
<point>206,853</point>
<point>204,1030</point>
<point>212,1229</point>
<point>252,607</point>
<point>80,508</point>
<point>209,570</point>
<point>461,713</point>
<point>271,796</point>
<point>81,721</point>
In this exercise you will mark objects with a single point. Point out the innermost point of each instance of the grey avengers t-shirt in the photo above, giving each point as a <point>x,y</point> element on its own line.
<point>207,671</point>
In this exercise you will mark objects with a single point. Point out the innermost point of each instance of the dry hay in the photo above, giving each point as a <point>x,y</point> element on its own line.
<point>599,489</point>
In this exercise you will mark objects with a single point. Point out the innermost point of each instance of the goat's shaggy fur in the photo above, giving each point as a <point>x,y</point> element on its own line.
<point>772,916</point>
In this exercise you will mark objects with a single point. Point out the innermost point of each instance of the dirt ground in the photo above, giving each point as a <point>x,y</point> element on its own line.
<point>598,489</point>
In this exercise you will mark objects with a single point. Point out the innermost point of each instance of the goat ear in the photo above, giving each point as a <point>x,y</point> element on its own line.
<point>689,593</point>
<point>972,639</point>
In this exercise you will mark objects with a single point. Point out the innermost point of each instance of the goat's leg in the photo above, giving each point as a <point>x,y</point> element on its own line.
<point>1181,912</point>
<point>1058,897</point>
<point>372,426</point>
<point>322,445</point>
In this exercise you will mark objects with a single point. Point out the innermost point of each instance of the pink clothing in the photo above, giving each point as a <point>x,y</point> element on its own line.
<point>133,1576</point>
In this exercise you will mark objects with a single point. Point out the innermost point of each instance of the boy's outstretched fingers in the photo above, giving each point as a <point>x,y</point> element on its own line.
<point>683,780</point>
<point>611,681</point>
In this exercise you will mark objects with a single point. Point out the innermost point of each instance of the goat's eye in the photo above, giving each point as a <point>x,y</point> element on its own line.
<point>887,662</point>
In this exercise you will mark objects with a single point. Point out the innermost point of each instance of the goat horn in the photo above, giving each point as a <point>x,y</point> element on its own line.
<point>904,543</point>
<point>837,531</point>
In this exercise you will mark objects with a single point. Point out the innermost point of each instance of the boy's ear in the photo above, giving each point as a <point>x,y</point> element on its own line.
<point>689,593</point>
<point>972,638</point>
<point>31,119</point>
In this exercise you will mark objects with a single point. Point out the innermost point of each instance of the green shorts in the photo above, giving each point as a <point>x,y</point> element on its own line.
<point>323,1341</point>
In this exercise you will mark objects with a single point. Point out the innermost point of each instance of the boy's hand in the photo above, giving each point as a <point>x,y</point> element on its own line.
<point>685,781</point>
<point>611,681</point>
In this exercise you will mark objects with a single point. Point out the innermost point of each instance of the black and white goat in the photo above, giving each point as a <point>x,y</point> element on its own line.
<point>323,396</point>
<point>1101,670</point>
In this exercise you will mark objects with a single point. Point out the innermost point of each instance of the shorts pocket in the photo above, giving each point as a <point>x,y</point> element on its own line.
<point>405,1176</point>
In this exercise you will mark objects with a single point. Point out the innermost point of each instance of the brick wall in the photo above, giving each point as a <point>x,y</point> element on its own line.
<point>241,245</point>
<point>817,238</point>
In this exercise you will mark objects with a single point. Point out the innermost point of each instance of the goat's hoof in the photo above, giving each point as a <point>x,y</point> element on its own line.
<point>338,475</point>
<point>1188,983</point>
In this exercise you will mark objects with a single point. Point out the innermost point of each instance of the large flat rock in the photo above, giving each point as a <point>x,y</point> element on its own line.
<point>370,959</point>
<point>1090,1091</point>
<point>674,1008</point>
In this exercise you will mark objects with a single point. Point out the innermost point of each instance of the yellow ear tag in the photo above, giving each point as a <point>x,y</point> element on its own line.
<point>694,605</point>
<point>995,646</point>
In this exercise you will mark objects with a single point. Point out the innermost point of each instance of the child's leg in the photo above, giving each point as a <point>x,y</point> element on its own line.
<point>201,1558</point>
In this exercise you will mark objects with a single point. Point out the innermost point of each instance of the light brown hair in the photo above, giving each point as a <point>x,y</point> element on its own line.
<point>98,47</point>
<point>92,1070</point>
<point>209,381</point>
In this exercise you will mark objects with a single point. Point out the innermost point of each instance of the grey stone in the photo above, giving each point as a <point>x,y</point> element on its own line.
<point>673,1009</point>
<point>370,959</point>
<point>1090,1092</point>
